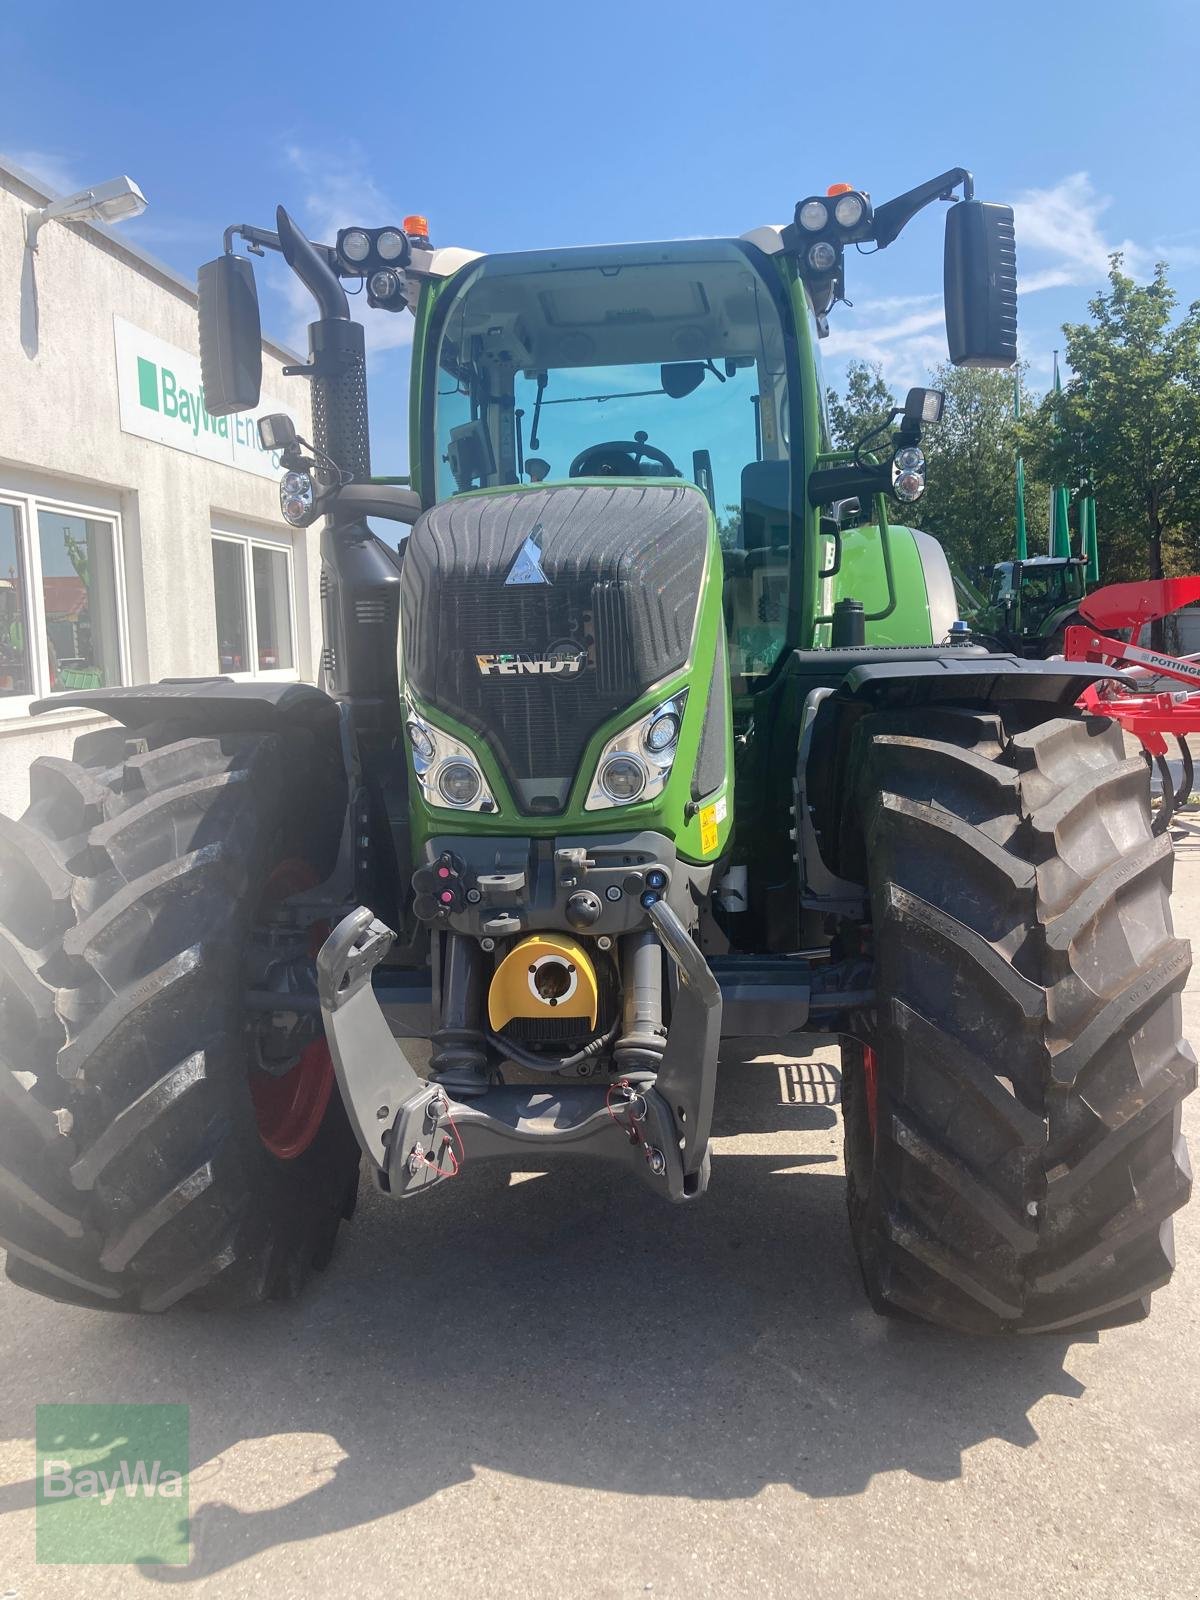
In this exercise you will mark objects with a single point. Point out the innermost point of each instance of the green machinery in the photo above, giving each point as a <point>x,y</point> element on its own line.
<point>1031,602</point>
<point>627,744</point>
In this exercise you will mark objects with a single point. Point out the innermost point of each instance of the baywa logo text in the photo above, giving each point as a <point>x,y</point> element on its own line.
<point>61,1478</point>
<point>160,390</point>
<point>564,660</point>
<point>112,1485</point>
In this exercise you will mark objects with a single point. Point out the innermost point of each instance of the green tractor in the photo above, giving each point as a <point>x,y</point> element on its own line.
<point>631,745</point>
<point>1031,603</point>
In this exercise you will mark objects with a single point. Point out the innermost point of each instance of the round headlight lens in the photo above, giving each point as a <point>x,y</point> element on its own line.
<point>814,214</point>
<point>389,244</point>
<point>662,732</point>
<point>910,459</point>
<point>296,498</point>
<point>356,245</point>
<point>909,485</point>
<point>383,285</point>
<point>622,778</point>
<point>421,742</point>
<point>848,212</point>
<point>458,783</point>
<point>822,256</point>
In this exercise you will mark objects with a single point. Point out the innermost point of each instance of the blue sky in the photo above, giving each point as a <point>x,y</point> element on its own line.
<point>516,126</point>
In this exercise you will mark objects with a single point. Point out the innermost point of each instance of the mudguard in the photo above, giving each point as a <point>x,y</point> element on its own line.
<point>210,705</point>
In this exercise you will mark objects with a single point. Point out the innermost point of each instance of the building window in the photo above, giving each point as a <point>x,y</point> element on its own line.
<point>253,596</point>
<point>61,614</point>
<point>79,600</point>
<point>15,675</point>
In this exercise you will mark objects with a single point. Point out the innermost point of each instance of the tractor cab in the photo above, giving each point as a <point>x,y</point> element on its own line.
<point>1029,599</point>
<point>643,364</point>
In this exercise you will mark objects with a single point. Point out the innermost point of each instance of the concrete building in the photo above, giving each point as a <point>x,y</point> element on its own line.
<point>140,538</point>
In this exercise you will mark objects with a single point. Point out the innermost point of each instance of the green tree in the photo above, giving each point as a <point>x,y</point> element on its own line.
<point>867,403</point>
<point>970,501</point>
<point>1129,420</point>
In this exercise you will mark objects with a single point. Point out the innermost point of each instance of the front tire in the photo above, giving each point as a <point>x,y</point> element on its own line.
<point>1012,1109</point>
<point>134,1171</point>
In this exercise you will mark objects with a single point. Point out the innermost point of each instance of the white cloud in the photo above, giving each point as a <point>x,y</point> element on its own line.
<point>1060,227</point>
<point>339,190</point>
<point>905,347</point>
<point>54,170</point>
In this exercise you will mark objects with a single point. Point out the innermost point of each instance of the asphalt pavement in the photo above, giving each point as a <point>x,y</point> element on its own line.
<point>554,1385</point>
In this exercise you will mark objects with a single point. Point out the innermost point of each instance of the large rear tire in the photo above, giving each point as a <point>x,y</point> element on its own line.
<point>135,1170</point>
<point>1012,1109</point>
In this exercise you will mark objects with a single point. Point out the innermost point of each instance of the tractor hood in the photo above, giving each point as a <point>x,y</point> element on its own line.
<point>534,615</point>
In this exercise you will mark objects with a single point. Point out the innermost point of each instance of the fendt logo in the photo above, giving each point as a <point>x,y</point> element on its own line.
<point>527,567</point>
<point>563,660</point>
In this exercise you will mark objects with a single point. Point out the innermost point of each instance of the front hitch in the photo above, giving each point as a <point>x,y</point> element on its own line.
<point>416,1136</point>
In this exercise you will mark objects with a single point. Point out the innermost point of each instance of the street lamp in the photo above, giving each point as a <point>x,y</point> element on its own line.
<point>103,202</point>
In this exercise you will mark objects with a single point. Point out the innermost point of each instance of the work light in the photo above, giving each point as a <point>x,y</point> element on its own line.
<point>812,215</point>
<point>849,210</point>
<point>390,244</point>
<point>822,256</point>
<point>355,245</point>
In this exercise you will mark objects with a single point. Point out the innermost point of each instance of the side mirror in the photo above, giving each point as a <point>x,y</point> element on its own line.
<point>981,285</point>
<point>230,336</point>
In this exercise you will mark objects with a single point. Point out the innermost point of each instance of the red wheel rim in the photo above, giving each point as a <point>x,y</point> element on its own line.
<point>871,1085</point>
<point>291,1108</point>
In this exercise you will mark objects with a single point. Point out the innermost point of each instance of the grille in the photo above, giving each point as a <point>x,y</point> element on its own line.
<point>624,567</point>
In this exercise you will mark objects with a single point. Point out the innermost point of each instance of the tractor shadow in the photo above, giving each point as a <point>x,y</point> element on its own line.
<point>568,1329</point>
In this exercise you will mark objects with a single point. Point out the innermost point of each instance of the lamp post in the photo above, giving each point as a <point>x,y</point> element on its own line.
<point>112,201</point>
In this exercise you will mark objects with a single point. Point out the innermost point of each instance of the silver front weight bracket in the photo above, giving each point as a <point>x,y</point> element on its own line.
<point>374,1075</point>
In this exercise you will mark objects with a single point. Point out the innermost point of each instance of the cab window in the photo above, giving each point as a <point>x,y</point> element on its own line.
<point>662,362</point>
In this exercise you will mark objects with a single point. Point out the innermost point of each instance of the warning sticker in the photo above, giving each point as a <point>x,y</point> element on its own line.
<point>709,817</point>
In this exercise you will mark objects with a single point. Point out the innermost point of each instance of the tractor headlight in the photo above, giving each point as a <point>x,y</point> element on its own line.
<point>459,783</point>
<point>822,257</point>
<point>636,764</point>
<point>622,778</point>
<point>447,770</point>
<point>390,244</point>
<point>420,739</point>
<point>354,245</point>
<point>848,211</point>
<point>297,499</point>
<point>908,473</point>
<point>813,215</point>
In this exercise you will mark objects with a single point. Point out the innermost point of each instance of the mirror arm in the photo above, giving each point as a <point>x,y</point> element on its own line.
<point>895,215</point>
<point>257,239</point>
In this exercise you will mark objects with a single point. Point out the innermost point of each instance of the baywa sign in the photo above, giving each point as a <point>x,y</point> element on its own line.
<point>161,397</point>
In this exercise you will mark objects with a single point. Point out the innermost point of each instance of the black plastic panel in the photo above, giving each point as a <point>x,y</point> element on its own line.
<point>623,568</point>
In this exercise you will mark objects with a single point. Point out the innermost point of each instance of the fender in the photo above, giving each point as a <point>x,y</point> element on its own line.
<point>208,705</point>
<point>890,680</point>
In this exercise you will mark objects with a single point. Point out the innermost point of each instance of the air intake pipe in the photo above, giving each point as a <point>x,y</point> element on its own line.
<point>360,576</point>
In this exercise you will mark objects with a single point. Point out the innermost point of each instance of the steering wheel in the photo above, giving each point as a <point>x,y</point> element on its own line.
<point>621,458</point>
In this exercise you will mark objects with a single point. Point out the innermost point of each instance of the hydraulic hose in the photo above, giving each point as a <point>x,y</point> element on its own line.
<point>536,1063</point>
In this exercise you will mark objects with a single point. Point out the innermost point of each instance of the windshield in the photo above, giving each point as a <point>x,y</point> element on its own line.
<point>666,362</point>
<point>643,361</point>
